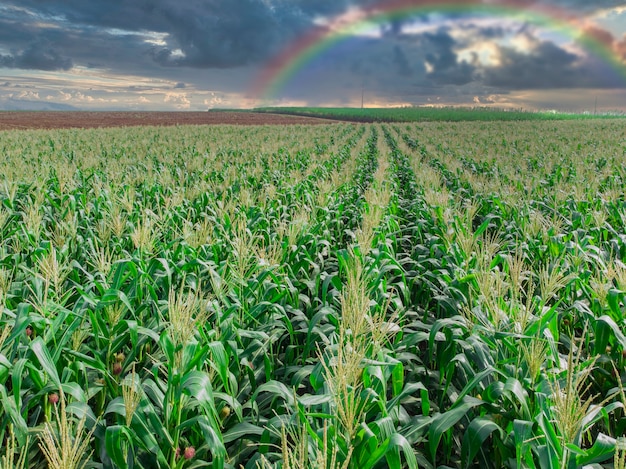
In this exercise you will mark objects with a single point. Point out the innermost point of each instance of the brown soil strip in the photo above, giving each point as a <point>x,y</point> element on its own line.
<point>84,119</point>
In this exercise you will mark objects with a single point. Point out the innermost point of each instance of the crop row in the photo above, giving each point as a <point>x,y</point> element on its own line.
<point>334,296</point>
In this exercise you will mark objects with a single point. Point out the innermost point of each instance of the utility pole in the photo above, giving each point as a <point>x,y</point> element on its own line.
<point>362,96</point>
<point>595,106</point>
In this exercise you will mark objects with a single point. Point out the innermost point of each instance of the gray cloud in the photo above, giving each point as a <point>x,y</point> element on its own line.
<point>579,6</point>
<point>220,33</point>
<point>415,67</point>
<point>228,33</point>
<point>37,56</point>
<point>548,66</point>
<point>60,45</point>
<point>401,61</point>
<point>447,69</point>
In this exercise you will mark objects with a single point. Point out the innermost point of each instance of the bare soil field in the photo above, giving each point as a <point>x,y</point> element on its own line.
<point>85,119</point>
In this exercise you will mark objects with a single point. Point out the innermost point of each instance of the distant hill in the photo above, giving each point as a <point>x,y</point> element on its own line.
<point>23,105</point>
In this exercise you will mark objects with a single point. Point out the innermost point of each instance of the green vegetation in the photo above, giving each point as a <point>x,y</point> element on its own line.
<point>419,114</point>
<point>343,296</point>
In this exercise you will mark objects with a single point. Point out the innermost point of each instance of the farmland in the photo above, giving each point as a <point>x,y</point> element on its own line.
<point>12,120</point>
<point>350,295</point>
<point>430,114</point>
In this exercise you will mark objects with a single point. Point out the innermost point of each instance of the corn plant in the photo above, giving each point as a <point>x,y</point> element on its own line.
<point>346,296</point>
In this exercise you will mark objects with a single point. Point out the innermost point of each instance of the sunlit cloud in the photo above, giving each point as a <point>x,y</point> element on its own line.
<point>342,23</point>
<point>179,100</point>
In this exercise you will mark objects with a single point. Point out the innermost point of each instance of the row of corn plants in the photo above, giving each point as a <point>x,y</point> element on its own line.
<point>547,312</point>
<point>416,295</point>
<point>123,305</point>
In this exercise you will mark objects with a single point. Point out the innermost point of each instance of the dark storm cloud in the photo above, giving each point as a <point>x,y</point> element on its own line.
<point>401,62</point>
<point>314,8</point>
<point>59,46</point>
<point>36,56</point>
<point>227,33</point>
<point>547,66</point>
<point>442,57</point>
<point>220,33</point>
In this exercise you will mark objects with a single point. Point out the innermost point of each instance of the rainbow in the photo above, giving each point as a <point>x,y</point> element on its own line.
<point>282,68</point>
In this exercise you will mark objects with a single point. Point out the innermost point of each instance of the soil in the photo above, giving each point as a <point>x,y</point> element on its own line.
<point>85,119</point>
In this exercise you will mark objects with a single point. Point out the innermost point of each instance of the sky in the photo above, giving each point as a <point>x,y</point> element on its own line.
<point>194,55</point>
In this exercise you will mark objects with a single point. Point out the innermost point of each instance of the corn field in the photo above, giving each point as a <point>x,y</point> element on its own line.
<point>432,295</point>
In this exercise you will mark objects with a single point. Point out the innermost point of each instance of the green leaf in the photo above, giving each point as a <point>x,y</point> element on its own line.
<point>574,449</point>
<point>89,362</point>
<point>483,227</point>
<point>614,297</point>
<point>441,423</point>
<point>478,431</point>
<point>150,432</point>
<point>18,369</point>
<point>425,401</point>
<point>397,444</point>
<point>476,380</point>
<point>522,435</point>
<point>198,386</point>
<point>219,362</point>
<point>167,347</point>
<point>5,367</point>
<point>397,378</point>
<point>597,413</point>
<point>549,454</point>
<point>279,389</point>
<point>605,327</point>
<point>118,441</point>
<point>602,450</point>
<point>45,360</point>
<point>116,406</point>
<point>9,407</point>
<point>241,431</point>
<point>74,390</point>
<point>310,400</point>
<point>371,450</point>
<point>213,439</point>
<point>515,388</point>
<point>22,320</point>
<point>548,459</point>
<point>385,426</point>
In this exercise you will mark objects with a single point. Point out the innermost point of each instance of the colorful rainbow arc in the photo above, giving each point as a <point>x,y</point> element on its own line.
<point>283,67</point>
